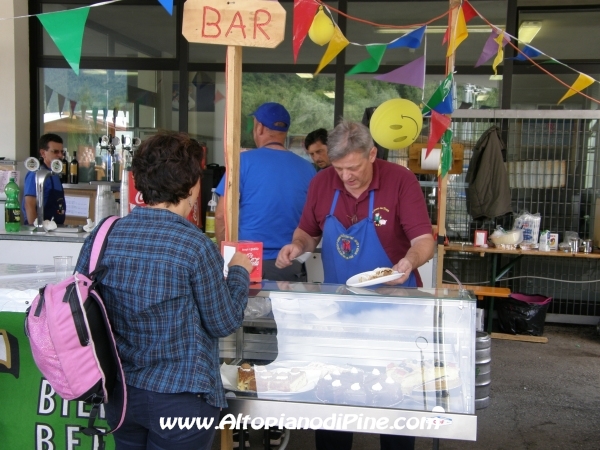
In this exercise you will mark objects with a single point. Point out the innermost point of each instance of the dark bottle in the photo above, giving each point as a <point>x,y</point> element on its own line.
<point>74,170</point>
<point>64,175</point>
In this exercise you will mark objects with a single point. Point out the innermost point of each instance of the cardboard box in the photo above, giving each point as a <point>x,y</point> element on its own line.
<point>254,251</point>
<point>553,241</point>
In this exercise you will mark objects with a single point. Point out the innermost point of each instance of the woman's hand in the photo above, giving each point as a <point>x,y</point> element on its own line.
<point>240,259</point>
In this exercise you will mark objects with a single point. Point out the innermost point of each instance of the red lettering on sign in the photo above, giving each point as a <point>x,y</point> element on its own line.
<point>214,24</point>
<point>258,25</point>
<point>241,26</point>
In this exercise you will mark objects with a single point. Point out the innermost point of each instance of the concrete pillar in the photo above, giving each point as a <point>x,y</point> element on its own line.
<point>14,81</point>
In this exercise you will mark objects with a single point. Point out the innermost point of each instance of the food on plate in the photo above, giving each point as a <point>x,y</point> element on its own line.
<point>413,375</point>
<point>298,379</point>
<point>377,273</point>
<point>355,395</point>
<point>280,380</point>
<point>246,378</point>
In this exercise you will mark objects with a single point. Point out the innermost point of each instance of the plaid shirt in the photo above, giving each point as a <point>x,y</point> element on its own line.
<point>168,302</point>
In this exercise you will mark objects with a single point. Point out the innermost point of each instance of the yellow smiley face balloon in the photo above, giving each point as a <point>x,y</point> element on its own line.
<point>396,123</point>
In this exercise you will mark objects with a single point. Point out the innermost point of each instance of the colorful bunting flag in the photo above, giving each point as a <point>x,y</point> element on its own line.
<point>72,103</point>
<point>48,90</point>
<point>446,154</point>
<point>371,64</point>
<point>337,43</point>
<point>94,114</point>
<point>168,5</point>
<point>440,94</point>
<point>491,47</point>
<point>438,125</point>
<point>304,13</point>
<point>104,115</point>
<point>411,74</point>
<point>528,51</point>
<point>66,30</point>
<point>468,12</point>
<point>580,84</point>
<point>219,97</point>
<point>500,55</point>
<point>446,106</point>
<point>460,34</point>
<point>410,40</point>
<point>61,104</point>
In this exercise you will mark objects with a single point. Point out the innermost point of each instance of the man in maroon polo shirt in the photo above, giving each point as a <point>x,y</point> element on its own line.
<point>368,213</point>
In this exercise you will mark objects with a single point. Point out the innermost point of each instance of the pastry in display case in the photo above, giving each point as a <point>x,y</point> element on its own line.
<point>386,351</point>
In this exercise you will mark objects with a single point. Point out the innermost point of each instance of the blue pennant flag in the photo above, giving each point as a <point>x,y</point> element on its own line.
<point>168,5</point>
<point>527,51</point>
<point>446,106</point>
<point>410,40</point>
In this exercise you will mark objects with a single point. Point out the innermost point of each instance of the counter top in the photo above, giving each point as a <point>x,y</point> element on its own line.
<point>51,236</point>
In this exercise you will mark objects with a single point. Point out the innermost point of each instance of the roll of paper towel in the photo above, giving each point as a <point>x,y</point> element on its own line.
<point>432,162</point>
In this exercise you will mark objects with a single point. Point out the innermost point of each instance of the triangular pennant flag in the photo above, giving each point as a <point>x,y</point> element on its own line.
<point>61,104</point>
<point>446,154</point>
<point>219,97</point>
<point>168,5</point>
<point>104,115</point>
<point>304,13</point>
<point>83,111</point>
<point>491,47</point>
<point>411,74</point>
<point>440,94</point>
<point>528,51</point>
<point>115,113</point>
<point>371,64</point>
<point>66,30</point>
<point>410,40</point>
<point>94,114</point>
<point>500,55</point>
<point>580,84</point>
<point>461,33</point>
<point>72,103</point>
<point>446,106</point>
<point>438,125</point>
<point>468,12</point>
<point>337,43</point>
<point>48,90</point>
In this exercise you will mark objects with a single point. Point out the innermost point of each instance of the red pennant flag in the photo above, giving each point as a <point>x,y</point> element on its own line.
<point>304,13</point>
<point>218,96</point>
<point>468,12</point>
<point>438,125</point>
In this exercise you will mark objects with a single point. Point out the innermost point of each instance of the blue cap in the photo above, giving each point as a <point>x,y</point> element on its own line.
<point>268,114</point>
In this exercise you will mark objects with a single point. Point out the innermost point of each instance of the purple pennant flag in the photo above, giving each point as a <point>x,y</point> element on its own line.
<point>168,5</point>
<point>412,74</point>
<point>410,40</point>
<point>491,47</point>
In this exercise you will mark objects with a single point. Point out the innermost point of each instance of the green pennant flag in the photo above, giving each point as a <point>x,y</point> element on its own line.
<point>66,30</point>
<point>446,156</point>
<point>370,64</point>
<point>440,94</point>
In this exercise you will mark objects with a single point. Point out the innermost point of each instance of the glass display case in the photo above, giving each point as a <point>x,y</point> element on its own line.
<point>386,360</point>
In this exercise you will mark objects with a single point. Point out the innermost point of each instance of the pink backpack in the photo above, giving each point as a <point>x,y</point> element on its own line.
<point>71,338</point>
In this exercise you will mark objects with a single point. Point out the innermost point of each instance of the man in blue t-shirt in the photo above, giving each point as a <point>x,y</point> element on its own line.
<point>273,187</point>
<point>51,148</point>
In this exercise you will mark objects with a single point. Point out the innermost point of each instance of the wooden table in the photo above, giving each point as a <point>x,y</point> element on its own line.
<point>498,272</point>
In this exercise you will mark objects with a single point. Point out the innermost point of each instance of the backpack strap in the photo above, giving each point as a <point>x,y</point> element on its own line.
<point>100,241</point>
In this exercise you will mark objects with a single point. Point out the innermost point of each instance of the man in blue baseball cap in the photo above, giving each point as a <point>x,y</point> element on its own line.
<point>273,186</point>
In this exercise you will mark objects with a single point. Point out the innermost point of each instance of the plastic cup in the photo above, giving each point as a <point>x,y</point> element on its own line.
<point>62,267</point>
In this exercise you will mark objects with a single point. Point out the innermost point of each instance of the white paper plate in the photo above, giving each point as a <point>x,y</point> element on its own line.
<point>354,281</point>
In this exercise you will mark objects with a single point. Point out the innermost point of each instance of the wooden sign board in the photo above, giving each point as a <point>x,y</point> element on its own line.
<point>414,158</point>
<point>245,23</point>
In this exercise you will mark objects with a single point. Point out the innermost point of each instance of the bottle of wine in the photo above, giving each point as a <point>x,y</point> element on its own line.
<point>64,175</point>
<point>209,223</point>
<point>74,170</point>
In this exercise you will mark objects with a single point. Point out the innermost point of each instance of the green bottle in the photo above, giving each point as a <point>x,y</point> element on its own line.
<point>12,209</point>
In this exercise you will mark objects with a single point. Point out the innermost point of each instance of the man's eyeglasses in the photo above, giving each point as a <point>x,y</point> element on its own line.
<point>56,152</point>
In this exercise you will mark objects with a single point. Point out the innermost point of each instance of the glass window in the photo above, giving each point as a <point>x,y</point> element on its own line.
<point>126,31</point>
<point>541,91</point>
<point>119,103</point>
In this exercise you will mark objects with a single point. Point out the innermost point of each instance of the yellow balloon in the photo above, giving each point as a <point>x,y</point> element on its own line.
<point>322,28</point>
<point>396,123</point>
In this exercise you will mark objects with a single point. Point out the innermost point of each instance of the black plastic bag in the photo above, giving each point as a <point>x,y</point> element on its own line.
<point>523,314</point>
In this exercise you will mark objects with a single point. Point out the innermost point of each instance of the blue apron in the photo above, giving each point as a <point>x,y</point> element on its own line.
<point>347,252</point>
<point>54,201</point>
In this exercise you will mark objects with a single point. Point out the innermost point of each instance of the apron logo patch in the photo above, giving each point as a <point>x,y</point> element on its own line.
<point>377,218</point>
<point>347,246</point>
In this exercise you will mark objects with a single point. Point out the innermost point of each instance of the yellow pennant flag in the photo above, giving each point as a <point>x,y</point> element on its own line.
<point>460,33</point>
<point>500,55</point>
<point>337,43</point>
<point>580,84</point>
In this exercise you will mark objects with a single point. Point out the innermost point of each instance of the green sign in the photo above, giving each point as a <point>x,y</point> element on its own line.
<point>32,415</point>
